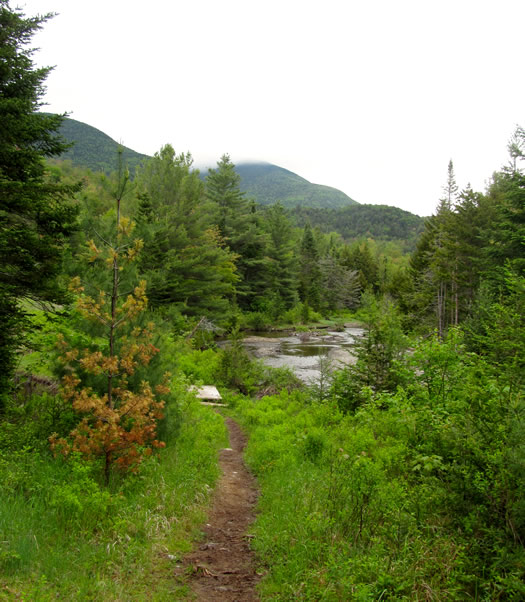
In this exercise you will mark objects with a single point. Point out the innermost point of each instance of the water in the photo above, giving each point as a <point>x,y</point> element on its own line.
<point>302,352</point>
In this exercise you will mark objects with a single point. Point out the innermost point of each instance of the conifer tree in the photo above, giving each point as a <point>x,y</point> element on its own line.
<point>35,215</point>
<point>281,254</point>
<point>185,260</point>
<point>434,263</point>
<point>239,224</point>
<point>118,421</point>
<point>309,277</point>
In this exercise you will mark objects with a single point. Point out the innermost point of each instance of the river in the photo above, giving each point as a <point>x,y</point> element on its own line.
<point>302,352</point>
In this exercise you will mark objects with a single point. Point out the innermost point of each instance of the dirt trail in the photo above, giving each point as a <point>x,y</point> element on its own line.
<point>222,568</point>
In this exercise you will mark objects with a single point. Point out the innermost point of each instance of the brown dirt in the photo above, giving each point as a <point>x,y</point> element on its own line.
<point>222,568</point>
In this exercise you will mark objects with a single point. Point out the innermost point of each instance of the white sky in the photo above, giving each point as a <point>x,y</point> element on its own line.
<point>370,96</point>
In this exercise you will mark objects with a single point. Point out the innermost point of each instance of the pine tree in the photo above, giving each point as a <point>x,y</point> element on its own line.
<point>118,420</point>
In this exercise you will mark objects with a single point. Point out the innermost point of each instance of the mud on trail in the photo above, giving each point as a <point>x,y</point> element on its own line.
<point>222,567</point>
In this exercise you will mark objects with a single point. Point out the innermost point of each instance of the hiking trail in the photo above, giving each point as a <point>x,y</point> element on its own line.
<point>222,567</point>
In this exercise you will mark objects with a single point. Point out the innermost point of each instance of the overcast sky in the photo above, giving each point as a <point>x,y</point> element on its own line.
<point>373,97</point>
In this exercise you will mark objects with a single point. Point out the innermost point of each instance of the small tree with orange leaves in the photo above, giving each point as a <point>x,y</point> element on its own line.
<point>118,424</point>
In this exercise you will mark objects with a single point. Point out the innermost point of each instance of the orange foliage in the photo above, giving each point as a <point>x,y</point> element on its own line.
<point>119,426</point>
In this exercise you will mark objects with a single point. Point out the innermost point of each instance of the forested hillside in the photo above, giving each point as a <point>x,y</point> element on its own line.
<point>265,183</point>
<point>92,148</point>
<point>380,222</point>
<point>400,475</point>
<point>269,184</point>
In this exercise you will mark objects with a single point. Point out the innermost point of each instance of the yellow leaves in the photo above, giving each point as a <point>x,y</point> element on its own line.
<point>59,446</point>
<point>112,257</point>
<point>91,362</point>
<point>118,423</point>
<point>135,302</point>
<point>163,387</point>
<point>70,356</point>
<point>124,433</point>
<point>75,285</point>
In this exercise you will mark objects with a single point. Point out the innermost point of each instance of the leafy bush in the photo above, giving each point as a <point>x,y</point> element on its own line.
<point>418,492</point>
<point>257,321</point>
<point>300,314</point>
<point>236,369</point>
<point>80,499</point>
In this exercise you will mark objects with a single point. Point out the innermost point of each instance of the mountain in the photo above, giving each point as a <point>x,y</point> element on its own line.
<point>269,183</point>
<point>327,208</point>
<point>265,182</point>
<point>94,149</point>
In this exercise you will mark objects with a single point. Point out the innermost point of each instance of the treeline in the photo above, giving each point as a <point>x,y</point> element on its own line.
<point>209,250</point>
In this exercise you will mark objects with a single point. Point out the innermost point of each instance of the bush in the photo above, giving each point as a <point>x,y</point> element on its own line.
<point>236,369</point>
<point>257,321</point>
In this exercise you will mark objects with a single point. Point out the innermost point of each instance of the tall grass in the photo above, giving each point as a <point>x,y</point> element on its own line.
<point>357,508</point>
<point>63,536</point>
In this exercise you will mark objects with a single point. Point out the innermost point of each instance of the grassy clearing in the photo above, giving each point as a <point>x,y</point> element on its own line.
<point>62,536</point>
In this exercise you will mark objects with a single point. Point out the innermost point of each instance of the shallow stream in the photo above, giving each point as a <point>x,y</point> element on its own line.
<point>302,352</point>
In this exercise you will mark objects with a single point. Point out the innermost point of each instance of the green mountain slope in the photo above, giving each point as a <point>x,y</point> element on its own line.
<point>269,183</point>
<point>380,222</point>
<point>265,182</point>
<point>94,149</point>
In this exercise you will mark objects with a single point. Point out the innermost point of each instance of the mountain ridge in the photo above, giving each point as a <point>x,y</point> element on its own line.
<point>266,182</point>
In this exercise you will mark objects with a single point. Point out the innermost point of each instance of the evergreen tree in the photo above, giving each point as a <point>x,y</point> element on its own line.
<point>378,354</point>
<point>516,148</point>
<point>239,225</point>
<point>309,277</point>
<point>185,260</point>
<point>119,420</point>
<point>434,264</point>
<point>359,258</point>
<point>281,254</point>
<point>507,235</point>
<point>466,235</point>
<point>340,286</point>
<point>35,216</point>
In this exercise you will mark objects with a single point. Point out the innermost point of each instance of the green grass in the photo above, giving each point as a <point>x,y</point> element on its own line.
<point>350,509</point>
<point>62,536</point>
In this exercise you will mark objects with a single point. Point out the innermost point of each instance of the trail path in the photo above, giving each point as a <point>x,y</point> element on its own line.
<point>223,566</point>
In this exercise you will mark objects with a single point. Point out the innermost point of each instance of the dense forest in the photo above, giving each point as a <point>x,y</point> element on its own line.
<point>400,476</point>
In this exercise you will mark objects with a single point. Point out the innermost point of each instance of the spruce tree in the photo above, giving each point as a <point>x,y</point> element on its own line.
<point>281,254</point>
<point>35,215</point>
<point>240,226</point>
<point>309,269</point>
